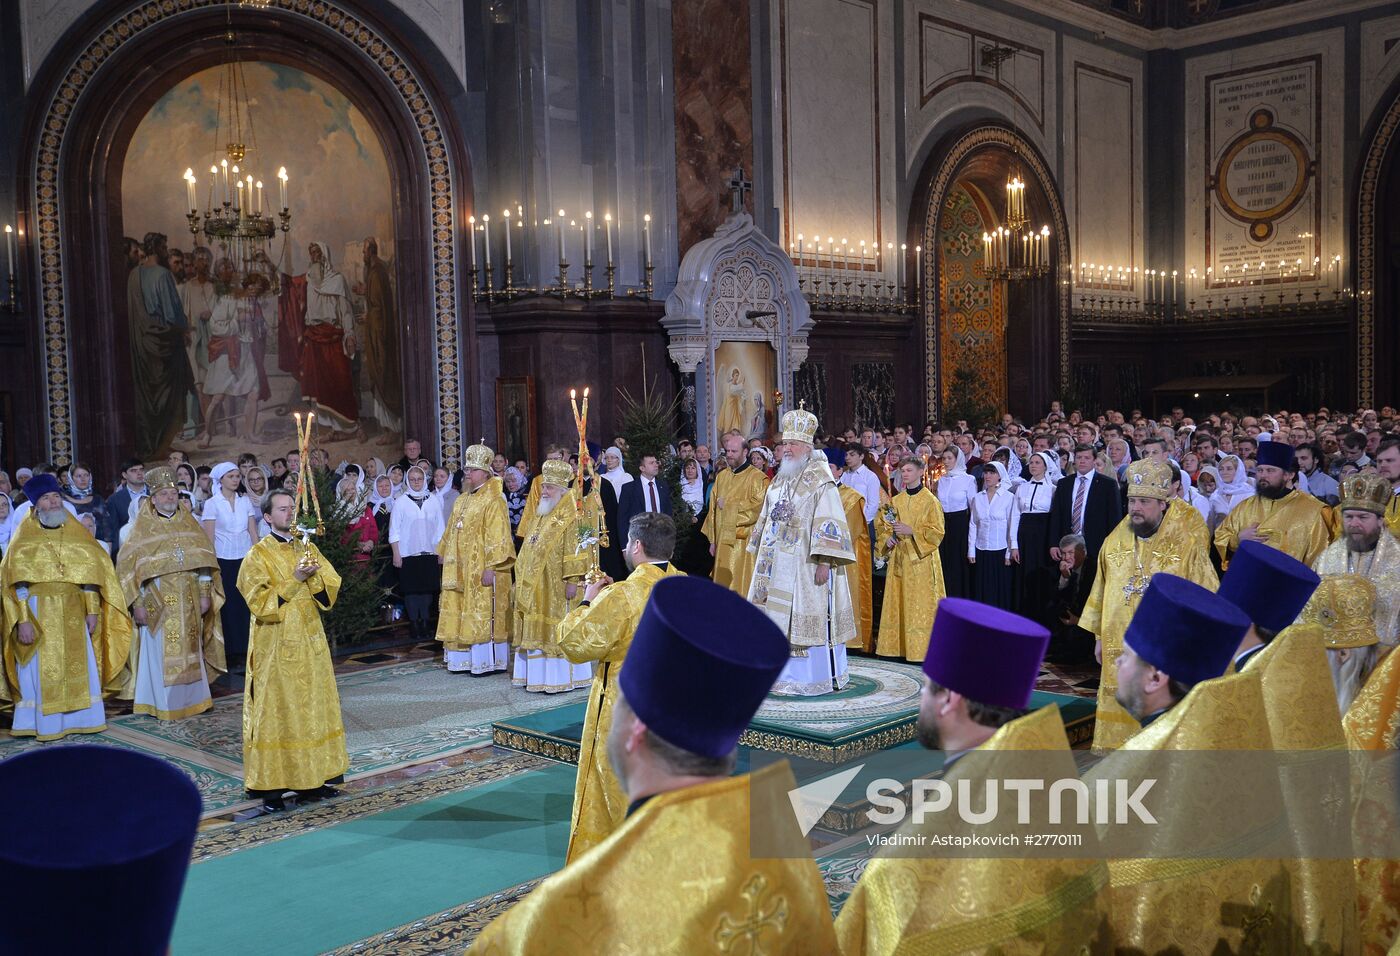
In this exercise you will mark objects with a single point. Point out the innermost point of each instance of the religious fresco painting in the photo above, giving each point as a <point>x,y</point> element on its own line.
<point>746,375</point>
<point>305,322</point>
<point>972,307</point>
<point>515,419</point>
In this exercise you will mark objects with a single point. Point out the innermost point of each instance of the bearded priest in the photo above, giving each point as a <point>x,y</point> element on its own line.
<point>67,635</point>
<point>802,545</point>
<point>170,577</point>
<point>1281,517</point>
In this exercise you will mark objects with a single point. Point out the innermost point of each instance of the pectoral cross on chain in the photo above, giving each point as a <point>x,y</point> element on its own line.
<point>739,188</point>
<point>1137,583</point>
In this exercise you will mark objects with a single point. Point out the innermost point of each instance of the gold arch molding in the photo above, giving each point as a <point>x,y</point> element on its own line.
<point>431,148</point>
<point>962,147</point>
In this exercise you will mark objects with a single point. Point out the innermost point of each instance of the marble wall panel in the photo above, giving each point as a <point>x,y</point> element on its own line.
<point>714,110</point>
<point>809,385</point>
<point>873,394</point>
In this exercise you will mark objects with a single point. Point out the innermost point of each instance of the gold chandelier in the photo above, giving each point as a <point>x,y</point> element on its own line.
<point>1017,250</point>
<point>238,223</point>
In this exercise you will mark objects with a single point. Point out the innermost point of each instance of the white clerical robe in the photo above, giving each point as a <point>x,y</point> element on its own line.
<point>30,719</point>
<point>803,524</point>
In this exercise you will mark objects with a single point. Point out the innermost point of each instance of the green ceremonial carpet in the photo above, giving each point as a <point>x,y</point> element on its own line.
<point>334,886</point>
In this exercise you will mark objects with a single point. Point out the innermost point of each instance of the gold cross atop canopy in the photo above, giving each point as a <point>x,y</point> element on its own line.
<point>802,403</point>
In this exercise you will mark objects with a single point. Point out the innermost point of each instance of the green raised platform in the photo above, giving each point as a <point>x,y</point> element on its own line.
<point>875,712</point>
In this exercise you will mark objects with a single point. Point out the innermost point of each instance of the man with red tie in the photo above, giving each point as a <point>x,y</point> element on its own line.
<point>1086,503</point>
<point>647,495</point>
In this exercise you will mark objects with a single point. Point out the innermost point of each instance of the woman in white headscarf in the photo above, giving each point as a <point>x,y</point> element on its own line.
<point>7,512</point>
<point>955,490</point>
<point>231,522</point>
<point>1235,486</point>
<point>616,475</point>
<point>989,538</point>
<point>415,528</point>
<point>1030,520</point>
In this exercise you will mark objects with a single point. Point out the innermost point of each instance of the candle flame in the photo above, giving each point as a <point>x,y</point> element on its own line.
<point>282,173</point>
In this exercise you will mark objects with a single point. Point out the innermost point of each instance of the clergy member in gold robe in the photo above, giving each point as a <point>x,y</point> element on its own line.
<point>171,580</point>
<point>1272,589</point>
<point>548,573</point>
<point>860,576</point>
<point>1366,549</point>
<point>67,635</point>
<point>477,551</point>
<point>293,736</point>
<point>1289,520</point>
<point>981,670</point>
<point>735,501</point>
<point>802,548</point>
<point>1162,898</point>
<point>532,496</point>
<point>1147,541</point>
<point>908,531</point>
<point>600,630</point>
<point>705,862</point>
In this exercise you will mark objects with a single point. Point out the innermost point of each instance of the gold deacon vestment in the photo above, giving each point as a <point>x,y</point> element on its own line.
<point>159,568</point>
<point>549,559</point>
<point>1382,568</point>
<point>293,737</point>
<point>1226,900</point>
<point>735,502</point>
<point>804,523</point>
<point>1010,905</point>
<point>913,577</point>
<point>679,877</point>
<point>860,575</point>
<point>1372,723</point>
<point>1392,514</point>
<point>1294,524</point>
<point>1126,564</point>
<point>1299,699</point>
<point>69,576</point>
<point>602,632</point>
<point>477,539</point>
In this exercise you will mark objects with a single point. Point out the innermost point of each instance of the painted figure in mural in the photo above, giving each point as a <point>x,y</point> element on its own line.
<point>380,334</point>
<point>515,432</point>
<point>327,344</point>
<point>235,325</point>
<point>758,426</point>
<point>731,412</point>
<point>160,369</point>
<point>197,298</point>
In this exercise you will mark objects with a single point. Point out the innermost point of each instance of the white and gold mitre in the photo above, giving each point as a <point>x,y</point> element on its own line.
<point>800,425</point>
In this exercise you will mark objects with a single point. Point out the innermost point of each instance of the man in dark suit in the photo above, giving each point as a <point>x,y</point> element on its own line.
<point>119,507</point>
<point>1086,503</point>
<point>646,494</point>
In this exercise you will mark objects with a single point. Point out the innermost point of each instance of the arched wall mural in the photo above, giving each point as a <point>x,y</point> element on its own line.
<point>972,333</point>
<point>947,163</point>
<point>62,136</point>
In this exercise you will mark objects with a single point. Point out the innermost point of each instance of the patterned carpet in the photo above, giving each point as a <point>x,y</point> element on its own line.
<point>396,716</point>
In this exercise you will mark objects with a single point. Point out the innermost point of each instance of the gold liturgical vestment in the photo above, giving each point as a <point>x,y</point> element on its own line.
<point>1010,905</point>
<point>68,575</point>
<point>159,567</point>
<point>293,738</point>
<point>735,502</point>
<point>677,878</point>
<point>1294,524</point>
<point>1382,568</point>
<point>602,632</point>
<point>1126,564</point>
<point>1299,700</point>
<point>1227,900</point>
<point>1372,723</point>
<point>548,560</point>
<point>860,574</point>
<point>1392,514</point>
<point>803,523</point>
<point>914,575</point>
<point>477,539</point>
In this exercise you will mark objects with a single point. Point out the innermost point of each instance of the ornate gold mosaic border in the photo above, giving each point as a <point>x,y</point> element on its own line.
<point>1366,255</point>
<point>975,139</point>
<point>535,742</point>
<point>48,229</point>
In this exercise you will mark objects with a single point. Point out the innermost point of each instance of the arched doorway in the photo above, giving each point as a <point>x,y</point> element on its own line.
<point>101,85</point>
<point>1377,259</point>
<point>1011,339</point>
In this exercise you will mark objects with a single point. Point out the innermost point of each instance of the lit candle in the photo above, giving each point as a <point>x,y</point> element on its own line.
<point>918,268</point>
<point>282,185</point>
<point>260,201</point>
<point>249,193</point>
<point>845,254</point>
<point>1173,285</point>
<point>238,200</point>
<point>560,222</point>
<point>223,169</point>
<point>471,246</point>
<point>486,240</point>
<point>903,251</point>
<point>505,214</point>
<point>10,247</point>
<point>646,238</point>
<point>607,235</point>
<point>189,187</point>
<point>799,247</point>
<point>588,239</point>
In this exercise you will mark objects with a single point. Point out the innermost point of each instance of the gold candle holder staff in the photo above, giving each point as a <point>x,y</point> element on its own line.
<point>592,535</point>
<point>308,500</point>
